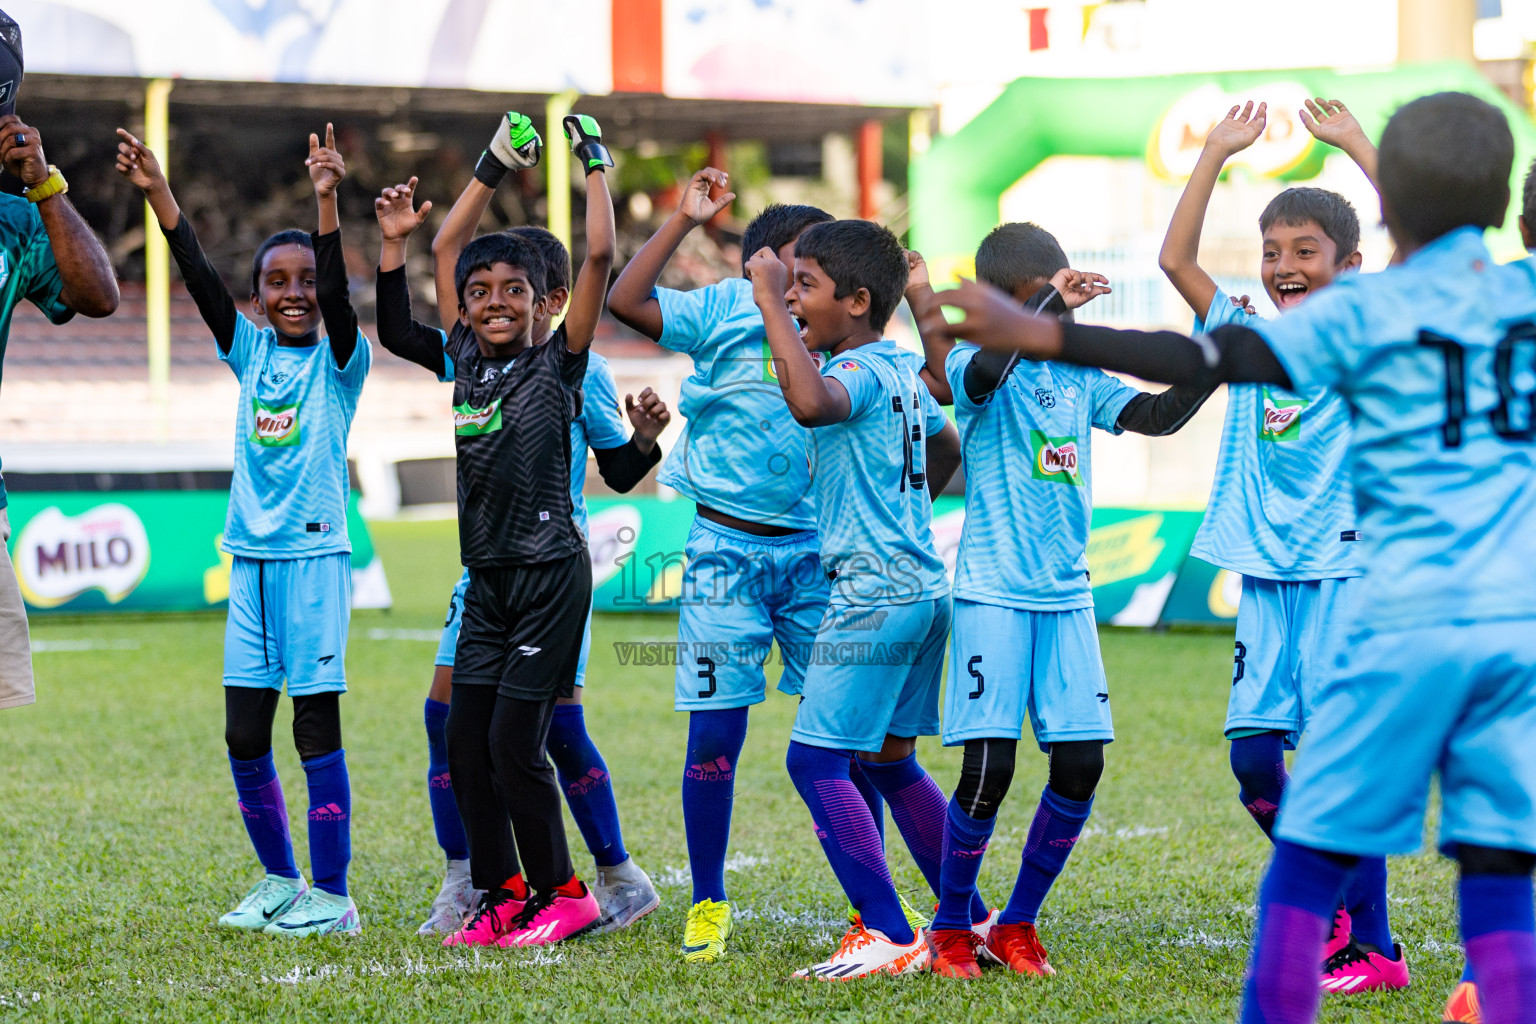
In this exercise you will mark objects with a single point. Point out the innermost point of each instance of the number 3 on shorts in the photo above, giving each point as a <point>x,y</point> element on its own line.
<point>707,673</point>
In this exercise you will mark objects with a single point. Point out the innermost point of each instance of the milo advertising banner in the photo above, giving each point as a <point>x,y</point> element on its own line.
<point>144,551</point>
<point>1134,555</point>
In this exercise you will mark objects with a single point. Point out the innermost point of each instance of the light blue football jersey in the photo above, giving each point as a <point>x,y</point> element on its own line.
<point>741,452</point>
<point>1435,359</point>
<point>874,513</point>
<point>1281,506</point>
<point>1029,481</point>
<point>600,425</point>
<point>288,498</point>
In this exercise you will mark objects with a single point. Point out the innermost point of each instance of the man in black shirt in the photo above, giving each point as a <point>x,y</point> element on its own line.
<point>530,575</point>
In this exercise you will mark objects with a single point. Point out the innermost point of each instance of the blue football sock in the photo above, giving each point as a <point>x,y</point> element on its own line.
<point>445,813</point>
<point>330,821</point>
<point>265,813</point>
<point>588,789</point>
<point>965,841</point>
<point>709,788</point>
<point>848,837</point>
<point>1259,764</point>
<point>1498,927</point>
<point>1296,905</point>
<point>871,797</point>
<point>1052,835</point>
<point>918,808</point>
<point>1365,898</point>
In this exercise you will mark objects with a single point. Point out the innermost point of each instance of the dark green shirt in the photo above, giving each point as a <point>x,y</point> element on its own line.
<point>27,271</point>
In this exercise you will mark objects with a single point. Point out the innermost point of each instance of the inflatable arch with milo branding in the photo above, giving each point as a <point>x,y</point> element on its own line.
<point>957,185</point>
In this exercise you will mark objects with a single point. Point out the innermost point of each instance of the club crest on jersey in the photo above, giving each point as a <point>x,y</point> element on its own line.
<point>1282,418</point>
<point>469,421</point>
<point>1056,459</point>
<point>849,364</point>
<point>277,426</point>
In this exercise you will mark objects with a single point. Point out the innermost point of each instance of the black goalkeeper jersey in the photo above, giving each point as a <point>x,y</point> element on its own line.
<point>512,431</point>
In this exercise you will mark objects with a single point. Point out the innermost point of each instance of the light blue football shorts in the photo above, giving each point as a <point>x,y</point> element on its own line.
<point>740,593</point>
<point>1458,700</point>
<point>288,620</point>
<point>1006,664</point>
<point>874,672</point>
<point>1287,634</point>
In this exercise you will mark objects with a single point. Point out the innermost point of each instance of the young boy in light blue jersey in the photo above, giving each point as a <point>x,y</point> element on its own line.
<point>290,586</point>
<point>1281,511</point>
<point>1025,642</point>
<point>882,448</point>
<point>753,574</point>
<point>1436,358</point>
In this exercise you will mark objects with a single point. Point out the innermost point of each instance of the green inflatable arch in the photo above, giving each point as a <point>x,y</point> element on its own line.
<point>956,186</point>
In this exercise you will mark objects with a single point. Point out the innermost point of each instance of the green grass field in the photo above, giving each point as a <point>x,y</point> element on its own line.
<point>122,844</point>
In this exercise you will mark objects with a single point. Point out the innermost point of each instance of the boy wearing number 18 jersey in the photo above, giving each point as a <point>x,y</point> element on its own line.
<point>872,686</point>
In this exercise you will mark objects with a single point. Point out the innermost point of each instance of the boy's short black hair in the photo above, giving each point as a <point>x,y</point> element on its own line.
<point>1328,210</point>
<point>557,259</point>
<point>1444,163</point>
<point>1528,197</point>
<point>778,225</point>
<point>859,254</point>
<point>500,247</point>
<point>293,236</point>
<point>1017,255</point>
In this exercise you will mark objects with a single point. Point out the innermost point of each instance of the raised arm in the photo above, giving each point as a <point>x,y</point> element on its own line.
<point>813,400</point>
<point>591,286</point>
<point>1331,122</point>
<point>625,466</point>
<point>936,348</point>
<point>631,301</point>
<point>399,331</point>
<point>1164,413</point>
<point>1230,354</point>
<point>1179,258</point>
<point>1068,290</point>
<point>137,163</point>
<point>85,270</point>
<point>516,144</point>
<point>326,171</point>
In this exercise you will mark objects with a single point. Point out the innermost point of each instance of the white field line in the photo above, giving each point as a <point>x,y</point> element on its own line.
<point>674,877</point>
<point>72,646</point>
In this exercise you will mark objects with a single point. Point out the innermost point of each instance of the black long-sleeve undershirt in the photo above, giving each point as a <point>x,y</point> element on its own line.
<point>333,296</point>
<point>203,283</point>
<point>399,332</point>
<point>1231,354</point>
<point>1154,415</point>
<point>625,466</point>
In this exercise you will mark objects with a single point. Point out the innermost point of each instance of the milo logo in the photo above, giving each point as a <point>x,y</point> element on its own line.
<point>1282,418</point>
<point>469,421</point>
<point>59,557</point>
<point>1055,459</point>
<point>277,426</point>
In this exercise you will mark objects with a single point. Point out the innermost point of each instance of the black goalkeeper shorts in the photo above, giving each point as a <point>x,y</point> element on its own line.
<point>522,627</point>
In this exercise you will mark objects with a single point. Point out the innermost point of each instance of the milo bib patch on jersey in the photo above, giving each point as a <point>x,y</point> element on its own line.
<point>277,426</point>
<point>1282,418</point>
<point>771,367</point>
<point>469,421</point>
<point>1056,459</point>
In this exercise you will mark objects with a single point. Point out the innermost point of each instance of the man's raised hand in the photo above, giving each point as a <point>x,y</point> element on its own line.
<point>137,163</point>
<point>397,218</point>
<point>21,151</point>
<point>1237,131</point>
<point>326,168</point>
<point>648,415</point>
<point>1331,122</point>
<point>917,271</point>
<point>696,204</point>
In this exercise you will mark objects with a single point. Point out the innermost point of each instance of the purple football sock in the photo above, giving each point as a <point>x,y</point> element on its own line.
<point>1053,834</point>
<point>1498,926</point>
<point>587,785</point>
<point>1258,762</point>
<point>871,797</point>
<point>260,794</point>
<point>446,822</point>
<point>965,841</point>
<point>1296,905</point>
<point>709,789</point>
<point>1366,900</point>
<point>330,821</point>
<point>847,833</point>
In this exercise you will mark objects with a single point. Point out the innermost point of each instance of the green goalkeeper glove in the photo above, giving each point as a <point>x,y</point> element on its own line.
<point>516,144</point>
<point>586,140</point>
